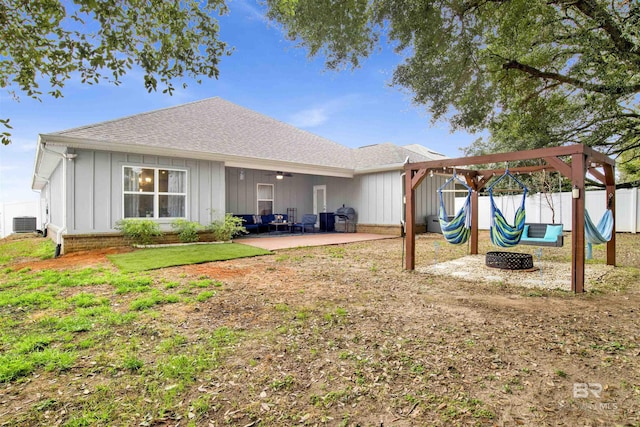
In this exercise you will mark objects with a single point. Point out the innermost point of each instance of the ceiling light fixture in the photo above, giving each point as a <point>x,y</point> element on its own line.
<point>279,175</point>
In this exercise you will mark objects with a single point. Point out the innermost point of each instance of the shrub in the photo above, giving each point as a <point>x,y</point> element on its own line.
<point>227,228</point>
<point>139,231</point>
<point>187,230</point>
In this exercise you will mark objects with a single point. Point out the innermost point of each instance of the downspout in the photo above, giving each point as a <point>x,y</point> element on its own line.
<point>48,198</point>
<point>63,156</point>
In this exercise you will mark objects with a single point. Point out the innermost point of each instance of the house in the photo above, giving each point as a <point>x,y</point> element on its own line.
<point>203,159</point>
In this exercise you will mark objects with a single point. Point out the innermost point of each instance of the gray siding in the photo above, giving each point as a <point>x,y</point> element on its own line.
<point>291,192</point>
<point>340,191</point>
<point>95,190</point>
<point>379,200</point>
<point>427,199</point>
<point>56,198</point>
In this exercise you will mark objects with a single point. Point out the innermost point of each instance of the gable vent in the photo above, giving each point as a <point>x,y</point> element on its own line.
<point>24,224</point>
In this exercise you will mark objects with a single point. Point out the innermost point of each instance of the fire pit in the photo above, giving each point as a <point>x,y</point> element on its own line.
<point>509,260</point>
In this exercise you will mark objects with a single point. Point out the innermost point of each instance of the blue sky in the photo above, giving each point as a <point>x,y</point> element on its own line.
<point>266,73</point>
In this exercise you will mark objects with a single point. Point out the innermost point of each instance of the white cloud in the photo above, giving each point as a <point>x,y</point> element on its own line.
<point>310,118</point>
<point>250,9</point>
<point>320,114</point>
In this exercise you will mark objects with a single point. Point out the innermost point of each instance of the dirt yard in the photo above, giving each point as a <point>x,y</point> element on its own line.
<point>342,335</point>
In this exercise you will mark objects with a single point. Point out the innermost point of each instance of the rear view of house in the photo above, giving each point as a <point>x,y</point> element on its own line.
<point>200,160</point>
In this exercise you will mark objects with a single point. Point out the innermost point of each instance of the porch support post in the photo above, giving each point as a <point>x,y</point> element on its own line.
<point>410,206</point>
<point>578,170</point>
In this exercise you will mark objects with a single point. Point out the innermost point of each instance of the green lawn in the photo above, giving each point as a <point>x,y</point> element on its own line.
<point>151,259</point>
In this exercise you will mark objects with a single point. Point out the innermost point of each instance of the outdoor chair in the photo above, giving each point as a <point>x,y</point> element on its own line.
<point>308,222</point>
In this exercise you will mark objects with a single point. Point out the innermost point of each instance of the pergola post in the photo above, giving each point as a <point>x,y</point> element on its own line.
<point>473,249</point>
<point>611,204</point>
<point>410,236</point>
<point>578,170</point>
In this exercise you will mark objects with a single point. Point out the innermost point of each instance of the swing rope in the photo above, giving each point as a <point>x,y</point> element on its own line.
<point>502,233</point>
<point>458,230</point>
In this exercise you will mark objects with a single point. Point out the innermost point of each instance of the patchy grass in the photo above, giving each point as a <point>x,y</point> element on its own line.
<point>155,258</point>
<point>314,336</point>
<point>16,247</point>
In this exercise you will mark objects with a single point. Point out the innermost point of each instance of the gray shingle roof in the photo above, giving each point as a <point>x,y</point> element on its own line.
<point>385,154</point>
<point>217,126</point>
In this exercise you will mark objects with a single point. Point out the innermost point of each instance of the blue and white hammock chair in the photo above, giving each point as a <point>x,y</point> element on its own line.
<point>600,233</point>
<point>458,230</point>
<point>502,233</point>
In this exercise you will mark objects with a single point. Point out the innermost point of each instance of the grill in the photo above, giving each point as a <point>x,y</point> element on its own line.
<point>345,219</point>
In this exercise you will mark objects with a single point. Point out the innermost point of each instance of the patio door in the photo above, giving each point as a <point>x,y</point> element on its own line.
<point>319,201</point>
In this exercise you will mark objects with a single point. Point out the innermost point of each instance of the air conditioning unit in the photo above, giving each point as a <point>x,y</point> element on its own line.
<point>24,224</point>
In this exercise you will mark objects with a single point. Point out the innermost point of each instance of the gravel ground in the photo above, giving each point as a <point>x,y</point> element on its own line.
<point>544,274</point>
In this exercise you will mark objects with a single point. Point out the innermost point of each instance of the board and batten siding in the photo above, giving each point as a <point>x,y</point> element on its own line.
<point>380,198</point>
<point>94,192</point>
<point>52,198</point>
<point>291,192</point>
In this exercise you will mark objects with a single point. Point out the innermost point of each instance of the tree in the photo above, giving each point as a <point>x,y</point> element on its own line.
<point>534,72</point>
<point>46,43</point>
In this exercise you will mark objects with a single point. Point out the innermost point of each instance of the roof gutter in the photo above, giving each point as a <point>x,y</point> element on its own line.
<point>382,168</point>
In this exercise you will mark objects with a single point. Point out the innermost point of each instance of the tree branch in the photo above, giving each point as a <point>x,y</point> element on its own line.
<point>534,72</point>
<point>592,10</point>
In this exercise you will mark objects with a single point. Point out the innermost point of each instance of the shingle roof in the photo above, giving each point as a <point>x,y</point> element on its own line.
<point>385,154</point>
<point>215,125</point>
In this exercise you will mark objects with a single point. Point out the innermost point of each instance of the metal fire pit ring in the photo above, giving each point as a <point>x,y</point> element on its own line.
<point>509,260</point>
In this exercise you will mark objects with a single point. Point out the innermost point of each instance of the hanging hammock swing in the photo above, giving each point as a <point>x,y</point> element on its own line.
<point>458,230</point>
<point>600,233</point>
<point>501,232</point>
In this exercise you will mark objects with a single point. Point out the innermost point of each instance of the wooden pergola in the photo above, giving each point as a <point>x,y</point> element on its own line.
<point>572,161</point>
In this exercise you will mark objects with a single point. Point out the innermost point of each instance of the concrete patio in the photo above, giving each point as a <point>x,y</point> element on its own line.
<point>275,242</point>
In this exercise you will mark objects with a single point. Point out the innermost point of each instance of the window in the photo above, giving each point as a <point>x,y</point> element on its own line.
<point>265,199</point>
<point>154,193</point>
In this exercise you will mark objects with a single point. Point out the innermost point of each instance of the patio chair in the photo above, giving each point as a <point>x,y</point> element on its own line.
<point>308,222</point>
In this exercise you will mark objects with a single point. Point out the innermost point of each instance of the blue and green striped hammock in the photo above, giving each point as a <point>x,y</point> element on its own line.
<point>458,230</point>
<point>502,233</point>
<point>597,234</point>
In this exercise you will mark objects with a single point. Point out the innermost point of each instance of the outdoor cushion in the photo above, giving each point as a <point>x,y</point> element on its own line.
<point>552,233</point>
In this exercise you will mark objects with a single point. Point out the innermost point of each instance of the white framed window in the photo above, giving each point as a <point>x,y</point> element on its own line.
<point>265,199</point>
<point>154,192</point>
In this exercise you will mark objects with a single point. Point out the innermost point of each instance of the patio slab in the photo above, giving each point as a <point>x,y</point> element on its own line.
<point>276,242</point>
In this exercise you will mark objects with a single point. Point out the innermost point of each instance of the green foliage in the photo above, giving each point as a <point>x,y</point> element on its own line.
<point>187,230</point>
<point>534,72</point>
<point>48,43</point>
<point>139,231</point>
<point>227,228</point>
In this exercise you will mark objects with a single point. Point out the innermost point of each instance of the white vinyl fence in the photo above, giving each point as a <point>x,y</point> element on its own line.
<point>11,210</point>
<point>538,208</point>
